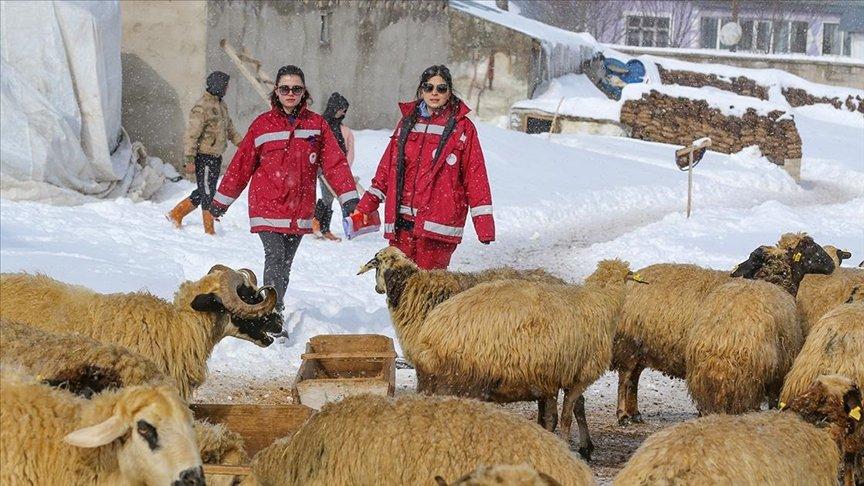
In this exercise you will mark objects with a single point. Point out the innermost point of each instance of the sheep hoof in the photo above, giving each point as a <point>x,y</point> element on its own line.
<point>626,420</point>
<point>586,450</point>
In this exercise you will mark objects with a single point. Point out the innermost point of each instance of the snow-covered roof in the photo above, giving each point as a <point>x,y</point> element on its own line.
<point>538,30</point>
<point>564,50</point>
<point>573,95</point>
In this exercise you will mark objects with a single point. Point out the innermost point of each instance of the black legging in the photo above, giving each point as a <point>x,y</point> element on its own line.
<point>279,250</point>
<point>207,169</point>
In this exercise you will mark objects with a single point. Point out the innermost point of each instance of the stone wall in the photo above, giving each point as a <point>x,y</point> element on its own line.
<point>662,118</point>
<point>834,72</point>
<point>741,85</point>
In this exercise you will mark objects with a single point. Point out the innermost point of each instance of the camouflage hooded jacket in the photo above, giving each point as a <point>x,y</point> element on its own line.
<point>209,128</point>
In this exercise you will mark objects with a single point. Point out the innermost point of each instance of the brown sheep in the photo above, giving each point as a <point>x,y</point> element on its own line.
<point>521,475</point>
<point>510,341</point>
<point>656,319</point>
<point>801,445</point>
<point>742,342</point>
<point>75,362</point>
<point>178,336</point>
<point>137,435</point>
<point>412,293</point>
<point>376,440</point>
<point>818,294</point>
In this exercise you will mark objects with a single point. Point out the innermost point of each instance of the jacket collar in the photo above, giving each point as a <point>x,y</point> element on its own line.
<point>409,106</point>
<point>301,113</point>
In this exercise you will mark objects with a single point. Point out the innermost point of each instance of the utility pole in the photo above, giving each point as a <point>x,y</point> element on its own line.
<point>735,6</point>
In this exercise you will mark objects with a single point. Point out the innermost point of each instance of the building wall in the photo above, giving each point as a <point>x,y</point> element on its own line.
<point>374,58</point>
<point>162,53</point>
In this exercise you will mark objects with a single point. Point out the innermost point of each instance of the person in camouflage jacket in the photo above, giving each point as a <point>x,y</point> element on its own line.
<point>205,140</point>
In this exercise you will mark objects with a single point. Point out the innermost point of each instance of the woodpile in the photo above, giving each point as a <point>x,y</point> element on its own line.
<point>741,85</point>
<point>799,97</point>
<point>662,118</point>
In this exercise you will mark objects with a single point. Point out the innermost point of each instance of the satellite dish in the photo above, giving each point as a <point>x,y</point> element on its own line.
<point>730,34</point>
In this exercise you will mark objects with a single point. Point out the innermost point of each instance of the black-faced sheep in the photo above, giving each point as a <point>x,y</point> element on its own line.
<point>138,435</point>
<point>834,345</point>
<point>511,340</point>
<point>801,445</point>
<point>178,336</point>
<point>74,362</point>
<point>522,475</point>
<point>742,342</point>
<point>375,440</point>
<point>656,319</point>
<point>818,294</point>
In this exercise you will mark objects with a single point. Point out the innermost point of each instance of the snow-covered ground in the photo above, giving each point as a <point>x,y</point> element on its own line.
<point>562,204</point>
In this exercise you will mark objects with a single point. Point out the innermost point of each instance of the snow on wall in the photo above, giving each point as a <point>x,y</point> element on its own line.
<point>564,51</point>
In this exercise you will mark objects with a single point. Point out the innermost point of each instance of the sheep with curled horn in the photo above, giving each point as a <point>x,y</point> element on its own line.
<point>657,319</point>
<point>139,435</point>
<point>178,336</point>
<point>412,293</point>
<point>818,294</point>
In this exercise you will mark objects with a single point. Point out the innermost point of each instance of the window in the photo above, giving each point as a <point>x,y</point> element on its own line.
<point>647,31</point>
<point>835,42</point>
<point>780,40</point>
<point>708,34</point>
<point>746,42</point>
<point>325,28</point>
<point>799,37</point>
<point>763,36</point>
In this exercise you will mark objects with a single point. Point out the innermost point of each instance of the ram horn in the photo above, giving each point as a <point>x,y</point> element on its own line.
<point>230,283</point>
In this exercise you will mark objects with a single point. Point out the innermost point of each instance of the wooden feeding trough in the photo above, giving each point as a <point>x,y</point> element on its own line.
<point>259,425</point>
<point>339,365</point>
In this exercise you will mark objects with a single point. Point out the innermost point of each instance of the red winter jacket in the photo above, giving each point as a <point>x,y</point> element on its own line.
<point>436,197</point>
<point>282,159</point>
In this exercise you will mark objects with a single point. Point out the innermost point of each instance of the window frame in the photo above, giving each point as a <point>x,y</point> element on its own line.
<point>325,35</point>
<point>844,38</point>
<point>641,28</point>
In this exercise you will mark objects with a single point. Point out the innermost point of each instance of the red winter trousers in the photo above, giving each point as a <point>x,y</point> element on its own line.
<point>427,253</point>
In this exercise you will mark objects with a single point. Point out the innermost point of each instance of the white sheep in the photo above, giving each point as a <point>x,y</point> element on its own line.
<point>137,435</point>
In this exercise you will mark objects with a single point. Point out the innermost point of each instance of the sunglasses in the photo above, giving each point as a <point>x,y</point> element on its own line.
<point>428,87</point>
<point>285,89</point>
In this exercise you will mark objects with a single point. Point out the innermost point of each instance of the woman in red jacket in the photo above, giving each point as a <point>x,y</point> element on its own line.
<point>431,175</point>
<point>281,155</point>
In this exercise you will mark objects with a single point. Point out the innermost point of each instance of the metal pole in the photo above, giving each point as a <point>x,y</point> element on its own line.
<point>689,183</point>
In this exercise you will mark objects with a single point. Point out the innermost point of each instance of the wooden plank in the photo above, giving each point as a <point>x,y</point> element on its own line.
<point>248,74</point>
<point>223,470</point>
<point>259,425</point>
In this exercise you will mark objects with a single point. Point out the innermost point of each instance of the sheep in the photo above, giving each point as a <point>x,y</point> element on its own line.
<point>819,294</point>
<point>656,319</point>
<point>510,340</point>
<point>137,435</point>
<point>521,475</point>
<point>178,336</point>
<point>73,361</point>
<point>218,445</point>
<point>410,440</point>
<point>412,293</point>
<point>793,446</point>
<point>742,342</point>
<point>834,345</point>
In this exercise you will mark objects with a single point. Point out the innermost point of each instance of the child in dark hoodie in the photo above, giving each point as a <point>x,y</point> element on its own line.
<point>334,113</point>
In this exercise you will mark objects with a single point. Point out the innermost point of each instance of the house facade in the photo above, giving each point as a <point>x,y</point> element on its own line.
<point>805,27</point>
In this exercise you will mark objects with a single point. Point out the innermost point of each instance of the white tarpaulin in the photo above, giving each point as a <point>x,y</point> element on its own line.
<point>60,89</point>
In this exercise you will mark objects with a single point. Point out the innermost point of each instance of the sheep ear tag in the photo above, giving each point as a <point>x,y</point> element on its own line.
<point>797,257</point>
<point>781,406</point>
<point>855,413</point>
